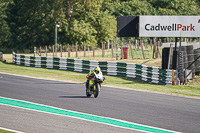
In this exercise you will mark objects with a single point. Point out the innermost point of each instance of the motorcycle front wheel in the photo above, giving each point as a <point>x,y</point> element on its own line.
<point>88,93</point>
<point>96,90</point>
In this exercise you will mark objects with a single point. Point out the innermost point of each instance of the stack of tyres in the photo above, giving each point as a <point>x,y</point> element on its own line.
<point>174,58</point>
<point>180,65</point>
<point>197,63</point>
<point>185,59</point>
<point>190,58</point>
<point>165,58</point>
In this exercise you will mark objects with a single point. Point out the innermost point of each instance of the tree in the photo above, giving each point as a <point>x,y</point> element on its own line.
<point>88,23</point>
<point>32,23</point>
<point>106,27</point>
<point>131,7</point>
<point>176,7</point>
<point>4,29</point>
<point>82,32</point>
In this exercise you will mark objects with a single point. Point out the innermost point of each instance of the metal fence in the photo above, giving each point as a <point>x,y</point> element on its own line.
<point>140,49</point>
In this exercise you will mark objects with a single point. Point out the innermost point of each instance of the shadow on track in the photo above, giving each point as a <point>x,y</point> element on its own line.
<point>73,97</point>
<point>60,83</point>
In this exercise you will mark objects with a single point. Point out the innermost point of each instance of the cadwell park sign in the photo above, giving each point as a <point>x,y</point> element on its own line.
<point>166,26</point>
<point>169,26</point>
<point>158,26</point>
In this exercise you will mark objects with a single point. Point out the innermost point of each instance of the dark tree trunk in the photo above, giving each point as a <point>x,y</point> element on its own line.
<point>68,9</point>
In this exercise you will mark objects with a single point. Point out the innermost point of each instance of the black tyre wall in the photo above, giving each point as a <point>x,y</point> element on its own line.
<point>165,57</point>
<point>196,55</point>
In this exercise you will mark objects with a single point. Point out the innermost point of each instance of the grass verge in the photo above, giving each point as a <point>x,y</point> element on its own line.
<point>4,131</point>
<point>187,90</point>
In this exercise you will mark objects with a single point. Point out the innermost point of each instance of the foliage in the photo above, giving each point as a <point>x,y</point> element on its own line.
<point>134,7</point>
<point>31,23</point>
<point>106,26</point>
<point>82,32</point>
<point>4,29</point>
<point>25,24</point>
<point>176,7</point>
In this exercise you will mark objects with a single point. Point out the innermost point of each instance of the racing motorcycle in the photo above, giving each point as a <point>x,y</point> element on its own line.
<point>93,84</point>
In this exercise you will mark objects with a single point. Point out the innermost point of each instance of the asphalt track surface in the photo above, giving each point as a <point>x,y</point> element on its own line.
<point>37,122</point>
<point>163,111</point>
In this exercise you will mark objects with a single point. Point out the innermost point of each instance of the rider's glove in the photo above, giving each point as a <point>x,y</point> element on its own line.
<point>87,76</point>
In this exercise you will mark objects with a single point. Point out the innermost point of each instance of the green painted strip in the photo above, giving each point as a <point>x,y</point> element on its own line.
<point>58,111</point>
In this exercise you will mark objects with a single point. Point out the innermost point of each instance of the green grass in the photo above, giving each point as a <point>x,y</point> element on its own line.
<point>4,131</point>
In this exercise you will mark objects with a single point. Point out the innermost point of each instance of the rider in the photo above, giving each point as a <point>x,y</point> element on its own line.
<point>90,82</point>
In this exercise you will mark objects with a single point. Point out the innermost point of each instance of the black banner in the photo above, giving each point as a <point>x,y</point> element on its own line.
<point>127,26</point>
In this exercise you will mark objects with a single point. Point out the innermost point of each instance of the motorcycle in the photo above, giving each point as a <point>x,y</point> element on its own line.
<point>93,84</point>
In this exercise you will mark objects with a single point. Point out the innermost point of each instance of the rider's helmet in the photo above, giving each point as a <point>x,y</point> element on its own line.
<point>97,70</point>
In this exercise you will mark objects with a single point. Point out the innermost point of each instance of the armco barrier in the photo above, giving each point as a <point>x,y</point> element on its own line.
<point>149,74</point>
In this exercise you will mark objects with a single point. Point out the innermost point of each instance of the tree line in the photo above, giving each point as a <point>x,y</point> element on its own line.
<point>25,24</point>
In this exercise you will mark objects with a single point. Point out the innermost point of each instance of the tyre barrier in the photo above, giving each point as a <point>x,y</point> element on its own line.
<point>137,71</point>
<point>185,59</point>
<point>190,57</point>
<point>180,66</point>
<point>196,55</point>
<point>165,58</point>
<point>185,62</point>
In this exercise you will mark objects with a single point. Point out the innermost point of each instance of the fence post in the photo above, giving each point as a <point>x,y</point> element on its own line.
<point>169,39</point>
<point>173,79</point>
<point>73,46</point>
<point>142,46</point>
<point>146,43</point>
<point>34,51</point>
<point>158,48</point>
<point>68,50</point>
<point>131,49</point>
<point>112,49</point>
<point>61,50</point>
<point>102,49</point>
<point>154,48</point>
<point>46,50</point>
<point>185,39</point>
<point>93,50</point>
<point>65,50</point>
<point>53,50</point>
<point>122,55</point>
<point>165,40</point>
<point>84,50</point>
<point>76,50</point>
<point>108,44</point>
<point>138,44</point>
<point>40,50</point>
